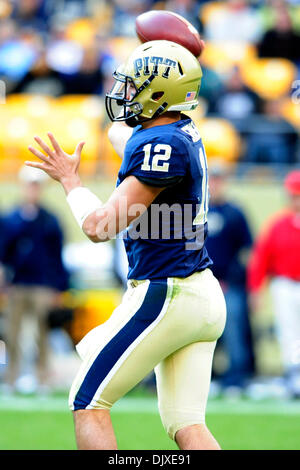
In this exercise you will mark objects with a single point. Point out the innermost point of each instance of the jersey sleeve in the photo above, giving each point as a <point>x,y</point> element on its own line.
<point>158,162</point>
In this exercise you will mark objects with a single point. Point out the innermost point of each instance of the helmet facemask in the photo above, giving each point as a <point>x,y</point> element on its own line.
<point>120,101</point>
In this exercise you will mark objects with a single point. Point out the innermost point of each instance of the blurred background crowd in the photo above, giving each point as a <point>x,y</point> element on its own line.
<point>64,51</point>
<point>56,64</point>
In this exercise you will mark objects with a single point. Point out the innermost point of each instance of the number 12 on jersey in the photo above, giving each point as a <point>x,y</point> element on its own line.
<point>162,154</point>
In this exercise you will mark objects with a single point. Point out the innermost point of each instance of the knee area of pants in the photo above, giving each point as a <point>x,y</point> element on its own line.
<point>174,420</point>
<point>98,404</point>
<point>90,408</point>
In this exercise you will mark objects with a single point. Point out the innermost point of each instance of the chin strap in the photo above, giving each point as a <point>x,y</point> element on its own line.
<point>160,110</point>
<point>134,121</point>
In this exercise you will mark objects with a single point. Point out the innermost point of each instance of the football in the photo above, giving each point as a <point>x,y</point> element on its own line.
<point>154,25</point>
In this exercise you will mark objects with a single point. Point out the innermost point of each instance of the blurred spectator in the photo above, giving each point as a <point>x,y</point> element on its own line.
<point>276,256</point>
<point>189,9</point>
<point>281,40</point>
<point>8,30</point>
<point>270,138</point>
<point>41,80</point>
<point>66,47</point>
<point>30,249</point>
<point>236,101</point>
<point>229,240</point>
<point>32,14</point>
<point>16,59</point>
<point>211,87</point>
<point>64,56</point>
<point>125,13</point>
<point>237,21</point>
<point>89,79</point>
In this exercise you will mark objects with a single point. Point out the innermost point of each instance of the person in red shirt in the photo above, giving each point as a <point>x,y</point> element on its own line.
<point>276,256</point>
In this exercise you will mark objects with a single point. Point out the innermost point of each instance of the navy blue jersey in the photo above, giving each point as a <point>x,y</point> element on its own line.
<point>168,239</point>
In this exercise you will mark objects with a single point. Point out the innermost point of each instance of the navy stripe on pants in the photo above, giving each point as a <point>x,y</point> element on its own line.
<point>111,353</point>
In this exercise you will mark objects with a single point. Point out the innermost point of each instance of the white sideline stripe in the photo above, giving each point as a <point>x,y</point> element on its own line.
<point>133,345</point>
<point>149,405</point>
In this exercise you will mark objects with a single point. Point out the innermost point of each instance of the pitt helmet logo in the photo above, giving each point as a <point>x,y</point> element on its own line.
<point>144,64</point>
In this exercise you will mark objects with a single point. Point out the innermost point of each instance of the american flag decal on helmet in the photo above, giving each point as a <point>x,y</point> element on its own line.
<point>190,96</point>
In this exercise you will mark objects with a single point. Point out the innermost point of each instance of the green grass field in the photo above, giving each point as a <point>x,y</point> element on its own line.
<point>46,424</point>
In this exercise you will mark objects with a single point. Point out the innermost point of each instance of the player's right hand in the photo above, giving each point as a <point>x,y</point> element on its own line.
<point>58,164</point>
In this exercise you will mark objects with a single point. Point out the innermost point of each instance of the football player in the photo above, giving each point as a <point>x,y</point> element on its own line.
<point>173,310</point>
<point>276,257</point>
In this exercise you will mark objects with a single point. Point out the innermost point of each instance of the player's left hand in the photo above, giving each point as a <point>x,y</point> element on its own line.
<point>58,164</point>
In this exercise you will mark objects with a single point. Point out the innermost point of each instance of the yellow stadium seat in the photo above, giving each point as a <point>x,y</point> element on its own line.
<point>94,308</point>
<point>210,9</point>
<point>71,119</point>
<point>82,31</point>
<point>14,139</point>
<point>121,47</point>
<point>223,56</point>
<point>269,78</point>
<point>22,117</point>
<point>89,106</point>
<point>220,139</point>
<point>31,102</point>
<point>37,108</point>
<point>103,13</point>
<point>79,117</point>
<point>110,158</point>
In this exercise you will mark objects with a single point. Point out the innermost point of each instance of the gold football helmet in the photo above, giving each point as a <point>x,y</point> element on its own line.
<point>159,76</point>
